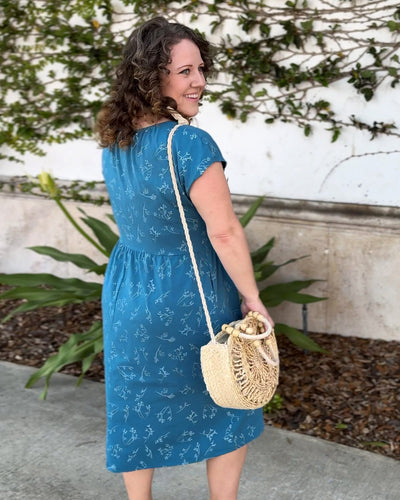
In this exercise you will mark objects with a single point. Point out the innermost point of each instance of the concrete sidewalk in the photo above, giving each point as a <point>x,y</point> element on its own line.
<point>54,450</point>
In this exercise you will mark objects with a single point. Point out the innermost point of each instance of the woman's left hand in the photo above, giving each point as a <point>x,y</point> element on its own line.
<point>258,306</point>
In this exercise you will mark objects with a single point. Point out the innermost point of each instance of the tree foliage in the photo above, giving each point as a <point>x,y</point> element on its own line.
<point>274,59</point>
<point>56,67</point>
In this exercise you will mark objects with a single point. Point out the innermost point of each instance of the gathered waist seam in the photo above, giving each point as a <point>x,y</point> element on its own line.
<point>122,243</point>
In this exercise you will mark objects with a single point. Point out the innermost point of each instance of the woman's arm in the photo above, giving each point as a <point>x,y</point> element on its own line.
<point>210,195</point>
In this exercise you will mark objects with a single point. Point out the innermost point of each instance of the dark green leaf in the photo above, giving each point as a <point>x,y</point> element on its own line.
<point>80,347</point>
<point>298,338</point>
<point>58,302</point>
<point>37,294</point>
<point>111,217</point>
<point>101,269</point>
<point>26,279</point>
<point>68,291</point>
<point>105,235</point>
<point>246,218</point>
<point>257,256</point>
<point>274,295</point>
<point>264,271</point>
<point>335,134</point>
<point>393,26</point>
<point>78,259</point>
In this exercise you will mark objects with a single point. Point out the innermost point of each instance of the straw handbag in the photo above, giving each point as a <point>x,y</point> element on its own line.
<point>240,364</point>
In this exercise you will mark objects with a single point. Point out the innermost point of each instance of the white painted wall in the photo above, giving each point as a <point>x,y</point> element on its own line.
<point>274,160</point>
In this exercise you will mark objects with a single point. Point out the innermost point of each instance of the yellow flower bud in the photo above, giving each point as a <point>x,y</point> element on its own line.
<point>48,185</point>
<point>96,24</point>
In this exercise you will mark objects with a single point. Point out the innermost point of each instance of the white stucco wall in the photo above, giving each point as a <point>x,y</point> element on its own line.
<point>274,160</point>
<point>277,160</point>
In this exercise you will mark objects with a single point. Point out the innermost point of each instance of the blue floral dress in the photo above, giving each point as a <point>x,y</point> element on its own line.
<point>158,410</point>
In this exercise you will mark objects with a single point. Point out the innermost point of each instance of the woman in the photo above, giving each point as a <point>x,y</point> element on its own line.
<point>158,410</point>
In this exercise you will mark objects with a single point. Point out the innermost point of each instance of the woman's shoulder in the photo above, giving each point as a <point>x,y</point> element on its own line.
<point>195,136</point>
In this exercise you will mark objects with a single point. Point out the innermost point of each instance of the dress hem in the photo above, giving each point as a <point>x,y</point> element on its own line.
<point>228,450</point>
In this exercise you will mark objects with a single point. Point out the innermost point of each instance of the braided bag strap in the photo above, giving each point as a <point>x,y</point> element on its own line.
<point>186,230</point>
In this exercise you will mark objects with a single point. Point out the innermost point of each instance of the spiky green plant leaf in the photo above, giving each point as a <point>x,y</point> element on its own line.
<point>104,234</point>
<point>257,256</point>
<point>298,338</point>
<point>78,259</point>
<point>80,347</point>
<point>265,270</point>
<point>45,290</point>
<point>274,295</point>
<point>246,218</point>
<point>44,279</point>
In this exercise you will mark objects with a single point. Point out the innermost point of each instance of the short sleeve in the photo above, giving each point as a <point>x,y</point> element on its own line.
<point>194,150</point>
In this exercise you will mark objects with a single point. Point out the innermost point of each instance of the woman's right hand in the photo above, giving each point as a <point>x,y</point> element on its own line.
<point>257,306</point>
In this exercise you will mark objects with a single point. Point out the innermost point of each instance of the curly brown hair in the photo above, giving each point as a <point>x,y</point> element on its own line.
<point>136,90</point>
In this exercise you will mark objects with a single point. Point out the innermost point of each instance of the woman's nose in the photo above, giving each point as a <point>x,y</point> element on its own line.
<point>199,79</point>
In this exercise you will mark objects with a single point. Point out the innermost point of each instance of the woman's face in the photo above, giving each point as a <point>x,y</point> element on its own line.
<point>185,82</point>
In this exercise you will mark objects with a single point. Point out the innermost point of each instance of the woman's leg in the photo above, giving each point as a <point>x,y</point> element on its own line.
<point>224,474</point>
<point>138,484</point>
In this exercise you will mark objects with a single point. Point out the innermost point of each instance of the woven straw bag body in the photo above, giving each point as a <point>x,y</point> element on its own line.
<point>240,364</point>
<point>239,372</point>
